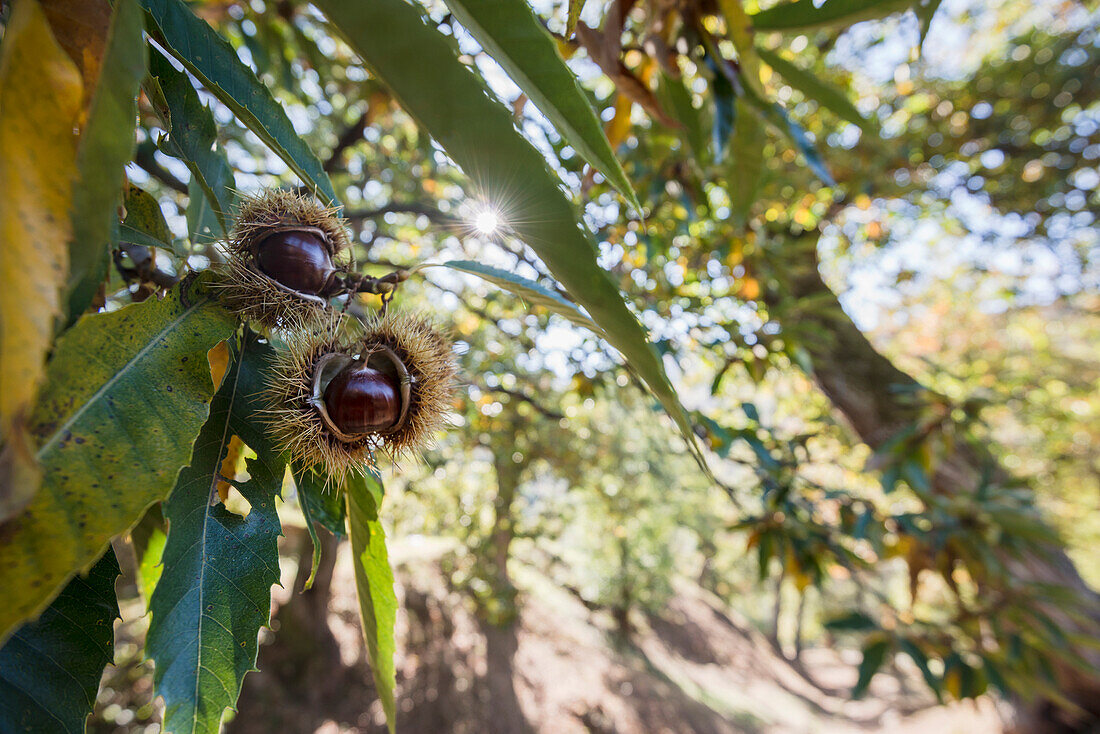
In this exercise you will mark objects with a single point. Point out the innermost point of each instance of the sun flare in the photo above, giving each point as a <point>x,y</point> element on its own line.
<point>486,221</point>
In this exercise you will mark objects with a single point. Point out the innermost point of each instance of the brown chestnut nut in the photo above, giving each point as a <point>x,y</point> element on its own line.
<point>298,259</point>
<point>360,399</point>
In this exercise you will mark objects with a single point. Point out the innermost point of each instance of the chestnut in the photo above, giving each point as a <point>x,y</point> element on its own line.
<point>298,259</point>
<point>361,399</point>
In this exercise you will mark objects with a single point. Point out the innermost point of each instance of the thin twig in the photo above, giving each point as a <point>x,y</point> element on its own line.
<point>148,163</point>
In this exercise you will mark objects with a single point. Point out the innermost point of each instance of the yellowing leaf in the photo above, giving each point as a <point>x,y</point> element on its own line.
<point>40,96</point>
<point>228,469</point>
<point>80,28</point>
<point>218,357</point>
<point>619,126</point>
<point>125,395</point>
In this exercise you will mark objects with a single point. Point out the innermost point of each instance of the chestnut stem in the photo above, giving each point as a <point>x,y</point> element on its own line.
<point>356,283</point>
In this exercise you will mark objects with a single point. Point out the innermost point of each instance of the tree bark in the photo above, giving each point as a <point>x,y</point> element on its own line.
<point>863,385</point>
<point>499,542</point>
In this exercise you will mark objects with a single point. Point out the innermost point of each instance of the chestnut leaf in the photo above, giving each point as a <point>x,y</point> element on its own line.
<point>214,62</point>
<point>106,146</point>
<point>50,668</point>
<point>373,583</point>
<point>454,105</point>
<point>125,395</point>
<point>218,567</point>
<point>192,137</point>
<point>512,34</point>
<point>37,157</point>
<point>322,505</point>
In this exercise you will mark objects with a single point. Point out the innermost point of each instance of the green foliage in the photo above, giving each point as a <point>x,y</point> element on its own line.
<point>828,95</point>
<point>531,291</point>
<point>106,145</point>
<point>210,58</point>
<point>148,539</point>
<point>373,583</point>
<point>746,162</point>
<point>321,505</point>
<point>928,550</point>
<point>516,39</point>
<point>191,138</point>
<point>125,395</point>
<point>50,668</point>
<point>804,15</point>
<point>874,655</point>
<point>218,567</point>
<point>677,100</point>
<point>454,107</point>
<point>144,222</point>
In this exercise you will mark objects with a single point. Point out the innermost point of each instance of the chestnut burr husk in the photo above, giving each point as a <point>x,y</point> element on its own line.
<point>334,400</point>
<point>284,258</point>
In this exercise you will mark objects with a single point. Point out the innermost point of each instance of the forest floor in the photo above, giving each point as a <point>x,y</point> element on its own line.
<point>694,669</point>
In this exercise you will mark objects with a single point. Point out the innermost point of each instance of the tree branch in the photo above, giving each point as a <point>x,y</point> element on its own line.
<point>146,161</point>
<point>432,213</point>
<point>350,137</point>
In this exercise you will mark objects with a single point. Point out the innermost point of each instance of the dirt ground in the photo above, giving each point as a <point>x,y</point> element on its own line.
<point>694,669</point>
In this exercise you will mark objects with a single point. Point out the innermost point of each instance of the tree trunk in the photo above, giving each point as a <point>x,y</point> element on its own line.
<point>499,545</point>
<point>777,610</point>
<point>863,385</point>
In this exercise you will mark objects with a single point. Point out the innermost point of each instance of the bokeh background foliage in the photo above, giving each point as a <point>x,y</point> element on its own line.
<point>793,304</point>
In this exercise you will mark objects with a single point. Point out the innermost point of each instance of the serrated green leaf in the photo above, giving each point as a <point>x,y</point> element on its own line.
<point>509,32</point>
<point>805,15</point>
<point>106,146</point>
<point>143,214</point>
<point>326,505</point>
<point>50,668</point>
<point>214,62</point>
<point>322,504</point>
<point>125,395</point>
<point>192,136</point>
<point>215,592</point>
<point>127,233</point>
<point>37,158</point>
<point>874,655</point>
<point>204,225</point>
<point>453,105</point>
<point>373,583</point>
<point>529,290</point>
<point>824,93</point>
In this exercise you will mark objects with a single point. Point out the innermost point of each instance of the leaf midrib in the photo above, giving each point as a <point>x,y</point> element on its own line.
<point>202,543</point>
<point>69,422</point>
